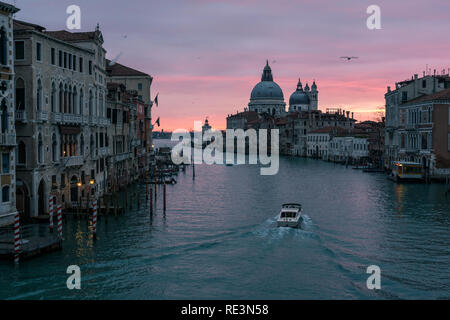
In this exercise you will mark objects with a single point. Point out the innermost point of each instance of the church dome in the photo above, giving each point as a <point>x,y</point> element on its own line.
<point>299,96</point>
<point>267,88</point>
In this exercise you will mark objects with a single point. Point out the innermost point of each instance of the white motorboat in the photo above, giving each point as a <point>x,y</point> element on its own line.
<point>290,215</point>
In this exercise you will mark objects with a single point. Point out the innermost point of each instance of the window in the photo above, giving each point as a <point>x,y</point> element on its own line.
<point>60,58</point>
<point>424,83</point>
<point>19,50</point>
<point>5,194</point>
<point>20,94</point>
<point>53,98</point>
<point>53,56</point>
<point>5,163</point>
<point>40,149</point>
<point>139,86</point>
<point>65,59</point>
<point>22,153</point>
<point>81,64</point>
<point>39,95</point>
<point>74,63</point>
<point>448,141</point>
<point>70,61</point>
<point>3,47</point>
<point>4,116</point>
<point>54,149</point>
<point>54,186</point>
<point>38,51</point>
<point>90,67</point>
<point>63,180</point>
<point>404,96</point>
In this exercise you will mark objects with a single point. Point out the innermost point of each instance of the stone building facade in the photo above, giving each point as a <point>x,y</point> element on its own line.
<point>8,132</point>
<point>140,83</point>
<point>404,92</point>
<point>61,118</point>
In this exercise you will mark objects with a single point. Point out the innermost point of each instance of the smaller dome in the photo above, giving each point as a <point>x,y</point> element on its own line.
<point>299,96</point>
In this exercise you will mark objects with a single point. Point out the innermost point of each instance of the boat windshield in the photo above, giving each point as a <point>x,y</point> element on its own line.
<point>288,214</point>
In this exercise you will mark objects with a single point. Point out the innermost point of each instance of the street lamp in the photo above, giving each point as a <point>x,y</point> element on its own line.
<point>79,185</point>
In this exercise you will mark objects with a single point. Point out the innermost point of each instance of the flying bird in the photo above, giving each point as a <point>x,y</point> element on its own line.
<point>349,58</point>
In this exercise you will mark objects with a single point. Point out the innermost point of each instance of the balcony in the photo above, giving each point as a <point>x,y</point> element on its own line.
<point>7,139</point>
<point>72,161</point>
<point>72,118</point>
<point>104,122</point>
<point>102,152</point>
<point>42,116</point>
<point>122,156</point>
<point>93,120</point>
<point>21,115</point>
<point>56,117</point>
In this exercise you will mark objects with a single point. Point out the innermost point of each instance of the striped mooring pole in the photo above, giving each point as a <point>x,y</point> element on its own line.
<point>16,237</point>
<point>94,218</point>
<point>59,217</point>
<point>50,212</point>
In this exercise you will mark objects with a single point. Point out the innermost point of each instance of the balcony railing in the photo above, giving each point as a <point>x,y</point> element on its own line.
<point>122,156</point>
<point>72,118</point>
<point>103,121</point>
<point>103,151</point>
<point>56,117</point>
<point>93,120</point>
<point>7,139</point>
<point>21,115</point>
<point>42,116</point>
<point>72,161</point>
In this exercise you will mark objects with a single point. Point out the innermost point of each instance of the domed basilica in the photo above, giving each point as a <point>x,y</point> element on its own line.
<point>267,96</point>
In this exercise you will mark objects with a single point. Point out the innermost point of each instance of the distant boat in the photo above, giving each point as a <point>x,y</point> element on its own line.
<point>290,215</point>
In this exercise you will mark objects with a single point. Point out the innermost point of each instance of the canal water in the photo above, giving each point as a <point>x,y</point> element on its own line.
<point>218,240</point>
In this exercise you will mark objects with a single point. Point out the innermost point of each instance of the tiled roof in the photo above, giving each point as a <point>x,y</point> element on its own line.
<point>22,25</point>
<point>64,35</point>
<point>118,69</point>
<point>442,95</point>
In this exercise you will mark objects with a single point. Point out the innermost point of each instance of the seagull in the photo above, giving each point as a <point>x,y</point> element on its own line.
<point>349,58</point>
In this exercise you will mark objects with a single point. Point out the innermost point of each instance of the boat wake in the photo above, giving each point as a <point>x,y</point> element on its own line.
<point>269,230</point>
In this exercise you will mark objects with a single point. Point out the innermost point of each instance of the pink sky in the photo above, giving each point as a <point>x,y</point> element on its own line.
<point>206,56</point>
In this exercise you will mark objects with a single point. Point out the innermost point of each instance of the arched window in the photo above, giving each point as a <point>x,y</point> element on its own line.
<point>40,149</point>
<point>4,114</point>
<point>91,101</point>
<point>61,98</point>
<point>92,149</point>
<point>69,100</point>
<point>53,97</point>
<point>20,94</point>
<point>5,194</point>
<point>74,100</point>
<point>54,148</point>
<point>82,145</point>
<point>39,95</point>
<point>3,47</point>
<point>22,153</point>
<point>100,97</point>
<point>81,102</point>
<point>65,98</point>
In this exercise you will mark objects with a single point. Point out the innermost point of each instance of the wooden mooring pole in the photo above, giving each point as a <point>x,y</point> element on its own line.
<point>164,195</point>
